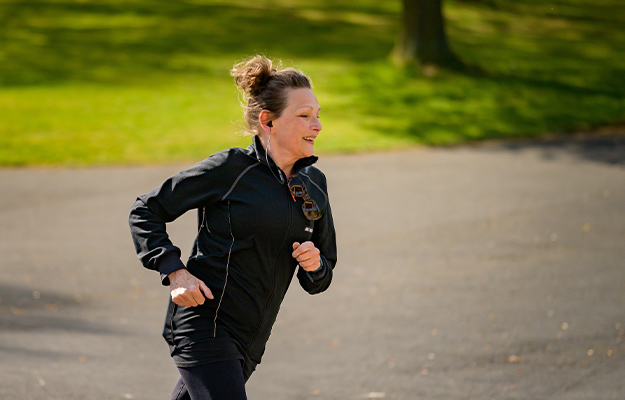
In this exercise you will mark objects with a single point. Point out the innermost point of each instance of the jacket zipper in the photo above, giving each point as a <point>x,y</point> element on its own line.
<point>273,288</point>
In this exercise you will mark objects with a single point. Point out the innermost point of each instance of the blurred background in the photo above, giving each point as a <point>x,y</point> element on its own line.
<point>469,268</point>
<point>109,82</point>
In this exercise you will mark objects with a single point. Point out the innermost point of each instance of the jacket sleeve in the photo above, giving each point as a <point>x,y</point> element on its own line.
<point>324,238</point>
<point>184,191</point>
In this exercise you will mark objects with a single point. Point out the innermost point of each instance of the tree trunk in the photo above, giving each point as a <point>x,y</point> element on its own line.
<point>422,35</point>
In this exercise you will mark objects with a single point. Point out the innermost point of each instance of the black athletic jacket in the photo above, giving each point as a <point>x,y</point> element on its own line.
<point>247,223</point>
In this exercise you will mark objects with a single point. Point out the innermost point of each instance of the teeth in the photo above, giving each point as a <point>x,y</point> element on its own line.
<point>309,139</point>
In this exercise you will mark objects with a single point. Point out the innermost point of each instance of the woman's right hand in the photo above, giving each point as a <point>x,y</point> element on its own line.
<point>187,290</point>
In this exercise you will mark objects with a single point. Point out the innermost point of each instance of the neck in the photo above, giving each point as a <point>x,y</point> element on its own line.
<point>285,165</point>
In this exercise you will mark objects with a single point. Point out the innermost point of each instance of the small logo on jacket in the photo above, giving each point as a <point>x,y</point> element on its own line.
<point>308,229</point>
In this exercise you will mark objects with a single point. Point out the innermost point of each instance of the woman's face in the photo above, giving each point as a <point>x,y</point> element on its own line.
<point>295,131</point>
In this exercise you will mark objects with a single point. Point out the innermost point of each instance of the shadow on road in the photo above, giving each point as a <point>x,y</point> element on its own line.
<point>25,310</point>
<point>602,148</point>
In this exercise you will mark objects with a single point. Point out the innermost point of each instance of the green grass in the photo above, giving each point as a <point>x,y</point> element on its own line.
<point>112,82</point>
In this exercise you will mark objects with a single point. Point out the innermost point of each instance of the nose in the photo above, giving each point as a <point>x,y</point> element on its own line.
<point>317,125</point>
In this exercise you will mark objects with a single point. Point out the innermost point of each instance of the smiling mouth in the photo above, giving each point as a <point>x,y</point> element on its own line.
<point>310,139</point>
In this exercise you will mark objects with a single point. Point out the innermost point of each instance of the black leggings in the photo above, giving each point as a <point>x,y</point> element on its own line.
<point>215,381</point>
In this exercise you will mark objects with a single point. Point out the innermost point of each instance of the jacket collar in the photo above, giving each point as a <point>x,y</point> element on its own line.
<point>256,147</point>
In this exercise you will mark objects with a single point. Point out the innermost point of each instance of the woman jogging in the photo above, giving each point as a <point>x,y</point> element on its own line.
<point>263,216</point>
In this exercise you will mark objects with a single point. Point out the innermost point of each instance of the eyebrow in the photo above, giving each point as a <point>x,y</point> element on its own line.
<point>306,106</point>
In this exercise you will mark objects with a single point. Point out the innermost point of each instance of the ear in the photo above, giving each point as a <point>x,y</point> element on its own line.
<point>265,121</point>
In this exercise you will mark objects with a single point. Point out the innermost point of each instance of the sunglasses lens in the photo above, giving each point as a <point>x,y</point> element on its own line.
<point>297,190</point>
<point>296,187</point>
<point>311,210</point>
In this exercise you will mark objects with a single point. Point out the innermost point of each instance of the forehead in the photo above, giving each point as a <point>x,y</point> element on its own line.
<point>302,98</point>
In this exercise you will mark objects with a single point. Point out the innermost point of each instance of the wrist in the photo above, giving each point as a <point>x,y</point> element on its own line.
<point>169,264</point>
<point>318,269</point>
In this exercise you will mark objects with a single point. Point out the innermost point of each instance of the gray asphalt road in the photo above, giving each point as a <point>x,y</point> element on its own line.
<point>489,272</point>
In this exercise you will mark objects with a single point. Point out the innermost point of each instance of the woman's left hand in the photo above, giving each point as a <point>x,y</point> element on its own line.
<point>307,255</point>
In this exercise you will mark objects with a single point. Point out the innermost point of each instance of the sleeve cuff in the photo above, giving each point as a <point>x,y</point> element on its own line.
<point>169,264</point>
<point>317,274</point>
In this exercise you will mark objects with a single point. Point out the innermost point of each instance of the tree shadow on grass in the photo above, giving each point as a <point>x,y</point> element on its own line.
<point>481,105</point>
<point>64,41</point>
<point>516,81</point>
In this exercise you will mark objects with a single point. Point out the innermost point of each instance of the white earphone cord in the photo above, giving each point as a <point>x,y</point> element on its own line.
<point>281,180</point>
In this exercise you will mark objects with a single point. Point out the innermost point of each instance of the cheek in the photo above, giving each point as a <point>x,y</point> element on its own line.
<point>302,127</point>
<point>297,131</point>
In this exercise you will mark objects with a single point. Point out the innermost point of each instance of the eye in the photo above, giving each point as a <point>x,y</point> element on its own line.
<point>304,115</point>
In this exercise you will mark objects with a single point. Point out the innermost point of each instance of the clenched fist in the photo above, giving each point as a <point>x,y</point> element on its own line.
<point>187,290</point>
<point>307,255</point>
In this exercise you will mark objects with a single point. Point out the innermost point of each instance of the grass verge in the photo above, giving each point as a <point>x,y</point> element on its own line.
<point>85,83</point>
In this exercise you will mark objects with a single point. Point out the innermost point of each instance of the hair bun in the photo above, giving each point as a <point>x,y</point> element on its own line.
<point>265,88</point>
<point>253,75</point>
